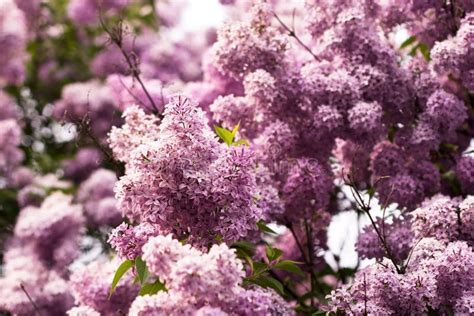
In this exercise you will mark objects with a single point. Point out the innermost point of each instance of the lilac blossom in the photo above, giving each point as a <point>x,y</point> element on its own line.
<point>57,221</point>
<point>97,195</point>
<point>195,279</point>
<point>13,37</point>
<point>465,174</point>
<point>192,195</point>
<point>88,11</point>
<point>90,286</point>
<point>398,237</point>
<point>83,102</point>
<point>79,168</point>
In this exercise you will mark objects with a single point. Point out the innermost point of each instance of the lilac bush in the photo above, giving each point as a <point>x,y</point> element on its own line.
<point>152,167</point>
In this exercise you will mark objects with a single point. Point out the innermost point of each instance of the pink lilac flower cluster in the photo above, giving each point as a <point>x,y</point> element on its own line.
<point>438,277</point>
<point>455,56</point>
<point>180,179</point>
<point>138,129</point>
<point>128,240</point>
<point>96,194</point>
<point>36,257</point>
<point>87,103</point>
<point>84,12</point>
<point>444,218</point>
<point>13,38</point>
<point>57,222</point>
<point>201,283</point>
<point>429,21</point>
<point>86,160</point>
<point>434,248</point>
<point>397,234</point>
<point>10,138</point>
<point>90,286</point>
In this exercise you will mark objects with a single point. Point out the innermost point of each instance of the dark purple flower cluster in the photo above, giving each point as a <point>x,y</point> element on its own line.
<point>182,180</point>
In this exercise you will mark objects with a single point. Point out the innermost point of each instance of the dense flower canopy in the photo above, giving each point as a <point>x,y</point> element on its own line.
<point>281,158</point>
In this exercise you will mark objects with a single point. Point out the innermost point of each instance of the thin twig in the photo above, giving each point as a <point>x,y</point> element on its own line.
<point>309,243</point>
<point>84,126</point>
<point>366,209</point>
<point>130,58</point>
<point>30,299</point>
<point>130,92</point>
<point>292,33</point>
<point>300,246</point>
<point>307,261</point>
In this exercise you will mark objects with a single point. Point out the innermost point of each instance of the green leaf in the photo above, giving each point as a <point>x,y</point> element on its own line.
<point>414,50</point>
<point>259,268</point>
<point>266,281</point>
<point>273,253</point>
<point>224,134</point>
<point>425,51</point>
<point>408,42</point>
<point>289,266</point>
<point>244,248</point>
<point>124,267</point>
<point>235,130</point>
<point>136,280</point>
<point>152,288</point>
<point>142,270</point>
<point>262,226</point>
<point>371,191</point>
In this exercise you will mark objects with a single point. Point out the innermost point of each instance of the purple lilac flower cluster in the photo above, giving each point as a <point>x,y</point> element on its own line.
<point>201,283</point>
<point>438,277</point>
<point>180,179</point>
<point>87,103</point>
<point>90,286</point>
<point>13,38</point>
<point>96,193</point>
<point>10,139</point>
<point>36,257</point>
<point>317,106</point>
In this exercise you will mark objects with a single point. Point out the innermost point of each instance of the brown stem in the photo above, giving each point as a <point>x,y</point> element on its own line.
<point>292,33</point>
<point>30,299</point>
<point>117,39</point>
<point>84,126</point>
<point>300,246</point>
<point>307,261</point>
<point>366,209</point>
<point>309,243</point>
